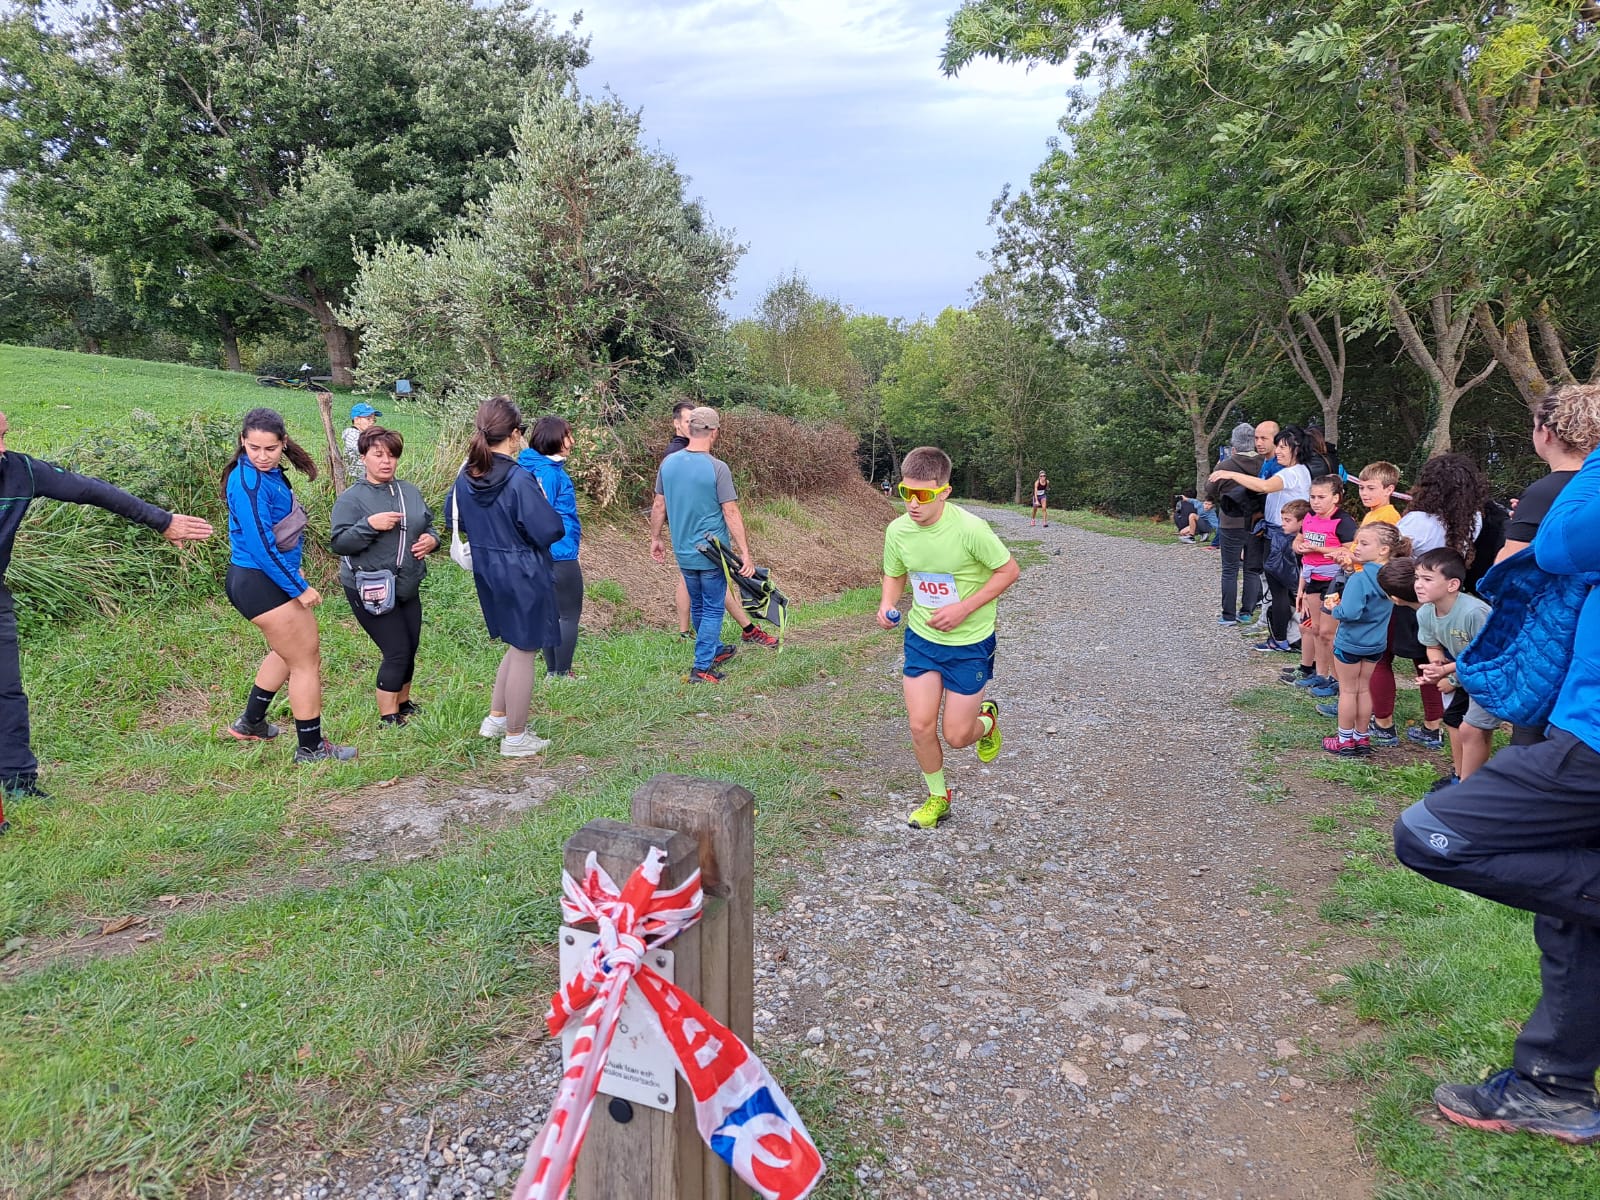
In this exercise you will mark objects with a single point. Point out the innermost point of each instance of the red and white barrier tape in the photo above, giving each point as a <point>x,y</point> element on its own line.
<point>741,1112</point>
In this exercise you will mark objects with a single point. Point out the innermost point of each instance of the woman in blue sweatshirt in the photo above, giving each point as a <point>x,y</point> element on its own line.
<point>547,459</point>
<point>266,529</point>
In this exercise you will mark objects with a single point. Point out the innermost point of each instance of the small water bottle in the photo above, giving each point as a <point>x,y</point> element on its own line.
<point>892,616</point>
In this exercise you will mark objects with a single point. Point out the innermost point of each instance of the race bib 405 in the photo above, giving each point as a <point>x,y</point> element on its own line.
<point>933,590</point>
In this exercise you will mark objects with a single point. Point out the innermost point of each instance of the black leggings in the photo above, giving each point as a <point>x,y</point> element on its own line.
<point>397,634</point>
<point>569,604</point>
<point>1281,611</point>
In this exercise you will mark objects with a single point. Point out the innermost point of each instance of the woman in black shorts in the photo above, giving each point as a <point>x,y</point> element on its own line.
<point>383,528</point>
<point>266,527</point>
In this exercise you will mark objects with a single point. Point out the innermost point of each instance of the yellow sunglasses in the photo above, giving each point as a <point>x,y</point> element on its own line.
<point>922,495</point>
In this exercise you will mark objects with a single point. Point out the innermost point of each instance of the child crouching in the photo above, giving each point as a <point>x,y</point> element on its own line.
<point>1363,635</point>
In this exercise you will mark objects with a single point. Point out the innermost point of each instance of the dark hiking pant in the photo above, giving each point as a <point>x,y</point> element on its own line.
<point>1524,830</point>
<point>1241,549</point>
<point>17,762</point>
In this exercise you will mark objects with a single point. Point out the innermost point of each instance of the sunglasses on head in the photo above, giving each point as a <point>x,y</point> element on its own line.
<point>922,495</point>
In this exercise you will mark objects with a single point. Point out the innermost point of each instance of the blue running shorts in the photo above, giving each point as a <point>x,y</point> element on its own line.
<point>964,669</point>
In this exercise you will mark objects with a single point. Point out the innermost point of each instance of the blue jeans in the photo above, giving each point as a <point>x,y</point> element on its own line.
<point>707,593</point>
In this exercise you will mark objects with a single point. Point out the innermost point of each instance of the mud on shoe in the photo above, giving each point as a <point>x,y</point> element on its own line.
<point>1507,1102</point>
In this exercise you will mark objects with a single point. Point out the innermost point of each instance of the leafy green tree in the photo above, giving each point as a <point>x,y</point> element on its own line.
<point>261,144</point>
<point>584,274</point>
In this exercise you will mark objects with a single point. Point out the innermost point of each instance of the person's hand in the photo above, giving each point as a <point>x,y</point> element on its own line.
<point>384,521</point>
<point>183,529</point>
<point>1215,476</point>
<point>947,618</point>
<point>747,567</point>
<point>309,598</point>
<point>657,550</point>
<point>1434,672</point>
<point>883,619</point>
<point>424,546</point>
<point>1330,601</point>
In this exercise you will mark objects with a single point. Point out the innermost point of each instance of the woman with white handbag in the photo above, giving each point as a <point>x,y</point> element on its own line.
<point>509,528</point>
<point>383,532</point>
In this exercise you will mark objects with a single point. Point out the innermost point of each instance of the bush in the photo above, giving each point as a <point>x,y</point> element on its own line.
<point>769,455</point>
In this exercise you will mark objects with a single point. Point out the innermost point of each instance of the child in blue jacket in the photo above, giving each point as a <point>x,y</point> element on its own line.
<point>1362,611</point>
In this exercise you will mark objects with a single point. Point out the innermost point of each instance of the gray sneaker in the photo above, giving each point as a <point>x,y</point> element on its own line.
<point>1511,1103</point>
<point>258,732</point>
<point>323,753</point>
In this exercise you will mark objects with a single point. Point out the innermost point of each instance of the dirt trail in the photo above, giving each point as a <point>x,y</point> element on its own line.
<point>1096,980</point>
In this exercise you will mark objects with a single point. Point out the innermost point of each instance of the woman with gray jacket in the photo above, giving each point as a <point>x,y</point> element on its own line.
<point>383,531</point>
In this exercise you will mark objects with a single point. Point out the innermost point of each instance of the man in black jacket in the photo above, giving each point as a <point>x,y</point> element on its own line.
<point>22,480</point>
<point>1238,510</point>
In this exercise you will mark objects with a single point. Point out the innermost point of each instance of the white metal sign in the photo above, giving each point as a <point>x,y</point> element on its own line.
<point>641,1066</point>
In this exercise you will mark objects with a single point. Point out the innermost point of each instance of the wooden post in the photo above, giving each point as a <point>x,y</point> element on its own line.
<point>653,1153</point>
<point>335,454</point>
<point>721,819</point>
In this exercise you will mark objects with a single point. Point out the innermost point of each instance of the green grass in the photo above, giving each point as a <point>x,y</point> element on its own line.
<point>313,986</point>
<point>52,397</point>
<point>1451,979</point>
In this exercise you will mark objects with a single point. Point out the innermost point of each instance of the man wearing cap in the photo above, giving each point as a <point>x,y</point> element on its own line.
<point>696,498</point>
<point>362,417</point>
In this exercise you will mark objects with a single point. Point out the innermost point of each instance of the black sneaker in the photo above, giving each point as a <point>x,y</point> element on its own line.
<point>323,752</point>
<point>259,732</point>
<point>396,719</point>
<point>711,676</point>
<point>409,708</point>
<point>25,786</point>
<point>723,654</point>
<point>1511,1103</point>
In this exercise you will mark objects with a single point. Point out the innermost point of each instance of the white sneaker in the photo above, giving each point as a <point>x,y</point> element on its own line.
<point>492,727</point>
<point>523,744</point>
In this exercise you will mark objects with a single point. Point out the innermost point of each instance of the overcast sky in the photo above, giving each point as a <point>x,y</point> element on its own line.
<point>822,133</point>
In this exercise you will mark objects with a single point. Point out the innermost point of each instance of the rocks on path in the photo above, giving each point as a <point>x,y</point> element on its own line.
<point>1094,981</point>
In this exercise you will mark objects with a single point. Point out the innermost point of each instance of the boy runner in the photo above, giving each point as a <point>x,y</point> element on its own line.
<point>957,569</point>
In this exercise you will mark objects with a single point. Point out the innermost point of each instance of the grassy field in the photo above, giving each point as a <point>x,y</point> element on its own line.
<point>288,987</point>
<point>1451,979</point>
<point>53,397</point>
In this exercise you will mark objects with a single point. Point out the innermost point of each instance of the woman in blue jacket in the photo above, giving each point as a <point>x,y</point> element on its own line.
<point>504,514</point>
<point>547,459</point>
<point>266,529</point>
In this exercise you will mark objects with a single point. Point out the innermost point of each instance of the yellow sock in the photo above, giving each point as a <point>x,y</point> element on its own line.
<point>985,725</point>
<point>936,785</point>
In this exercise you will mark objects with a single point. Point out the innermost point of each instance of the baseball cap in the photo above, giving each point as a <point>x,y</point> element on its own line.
<point>704,418</point>
<point>363,410</point>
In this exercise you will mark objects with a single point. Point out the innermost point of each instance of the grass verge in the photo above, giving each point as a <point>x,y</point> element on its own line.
<point>295,1008</point>
<point>1451,980</point>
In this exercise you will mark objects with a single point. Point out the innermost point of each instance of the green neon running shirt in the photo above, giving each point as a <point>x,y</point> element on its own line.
<point>946,562</point>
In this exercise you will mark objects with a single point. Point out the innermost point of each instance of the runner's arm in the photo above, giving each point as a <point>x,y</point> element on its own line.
<point>1004,576</point>
<point>894,587</point>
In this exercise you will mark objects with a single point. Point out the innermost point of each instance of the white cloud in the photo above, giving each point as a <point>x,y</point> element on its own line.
<point>824,133</point>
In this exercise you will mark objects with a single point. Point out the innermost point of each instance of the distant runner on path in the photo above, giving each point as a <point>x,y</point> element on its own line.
<point>1041,499</point>
<point>957,569</point>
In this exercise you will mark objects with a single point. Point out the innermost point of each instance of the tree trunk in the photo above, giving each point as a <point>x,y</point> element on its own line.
<point>1202,453</point>
<point>91,344</point>
<point>230,343</point>
<point>1016,484</point>
<point>1439,438</point>
<point>341,342</point>
<point>335,453</point>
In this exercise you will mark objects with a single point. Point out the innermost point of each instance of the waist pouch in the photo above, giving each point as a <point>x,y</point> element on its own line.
<point>288,532</point>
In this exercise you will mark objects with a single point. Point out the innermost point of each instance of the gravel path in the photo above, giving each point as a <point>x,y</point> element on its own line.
<point>1094,981</point>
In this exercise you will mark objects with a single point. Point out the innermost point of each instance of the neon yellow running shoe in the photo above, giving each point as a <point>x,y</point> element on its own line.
<point>989,743</point>
<point>934,809</point>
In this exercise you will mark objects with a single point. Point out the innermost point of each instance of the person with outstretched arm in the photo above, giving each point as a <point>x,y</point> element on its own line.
<point>24,479</point>
<point>1524,830</point>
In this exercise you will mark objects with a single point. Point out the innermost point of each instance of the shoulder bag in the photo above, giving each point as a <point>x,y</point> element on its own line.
<point>376,589</point>
<point>460,551</point>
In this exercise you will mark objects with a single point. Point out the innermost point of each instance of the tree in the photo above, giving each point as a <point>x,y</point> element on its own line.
<point>584,274</point>
<point>260,144</point>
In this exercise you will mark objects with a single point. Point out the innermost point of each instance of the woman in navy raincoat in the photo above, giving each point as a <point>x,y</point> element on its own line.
<point>503,513</point>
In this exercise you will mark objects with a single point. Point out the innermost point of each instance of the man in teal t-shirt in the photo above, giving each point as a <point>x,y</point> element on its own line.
<point>956,569</point>
<point>696,498</point>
